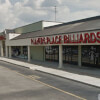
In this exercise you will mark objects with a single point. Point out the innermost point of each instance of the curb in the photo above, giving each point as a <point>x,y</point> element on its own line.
<point>54,74</point>
<point>15,64</point>
<point>69,79</point>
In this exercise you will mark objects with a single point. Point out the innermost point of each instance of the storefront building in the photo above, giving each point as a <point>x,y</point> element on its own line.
<point>9,34</point>
<point>76,43</point>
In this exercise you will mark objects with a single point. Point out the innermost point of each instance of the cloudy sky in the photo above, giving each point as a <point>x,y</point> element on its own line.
<point>15,13</point>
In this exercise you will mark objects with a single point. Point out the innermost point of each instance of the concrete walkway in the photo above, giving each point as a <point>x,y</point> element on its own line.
<point>76,77</point>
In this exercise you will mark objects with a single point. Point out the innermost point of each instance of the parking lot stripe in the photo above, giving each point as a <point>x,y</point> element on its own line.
<point>59,89</point>
<point>32,78</point>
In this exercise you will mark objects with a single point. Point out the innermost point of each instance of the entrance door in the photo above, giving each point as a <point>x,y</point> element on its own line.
<point>91,56</point>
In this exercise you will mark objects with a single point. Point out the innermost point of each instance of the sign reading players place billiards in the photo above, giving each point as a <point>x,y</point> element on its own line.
<point>93,37</point>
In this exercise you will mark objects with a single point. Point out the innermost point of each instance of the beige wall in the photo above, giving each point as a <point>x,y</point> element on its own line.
<point>37,53</point>
<point>19,42</point>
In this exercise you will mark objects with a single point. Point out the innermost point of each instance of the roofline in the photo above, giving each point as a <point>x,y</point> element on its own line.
<point>76,21</point>
<point>28,24</point>
<point>59,34</point>
<point>52,21</point>
<point>35,23</point>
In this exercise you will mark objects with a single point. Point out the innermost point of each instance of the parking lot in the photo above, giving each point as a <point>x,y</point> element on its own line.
<point>19,83</point>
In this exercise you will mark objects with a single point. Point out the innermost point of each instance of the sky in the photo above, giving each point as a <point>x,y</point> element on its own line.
<point>16,13</point>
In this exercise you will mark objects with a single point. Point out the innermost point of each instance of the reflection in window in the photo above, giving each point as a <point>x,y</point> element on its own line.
<point>70,54</point>
<point>91,55</point>
<point>52,53</point>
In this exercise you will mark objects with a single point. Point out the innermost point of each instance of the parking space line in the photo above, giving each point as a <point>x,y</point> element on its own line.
<point>59,89</point>
<point>33,78</point>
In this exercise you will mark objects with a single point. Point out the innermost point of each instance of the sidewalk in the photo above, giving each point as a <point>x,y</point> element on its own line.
<point>69,75</point>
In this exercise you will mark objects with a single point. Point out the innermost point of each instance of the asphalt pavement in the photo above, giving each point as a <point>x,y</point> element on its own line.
<point>19,83</point>
<point>90,80</point>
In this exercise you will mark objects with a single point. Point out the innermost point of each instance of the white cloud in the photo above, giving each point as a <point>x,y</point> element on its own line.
<point>65,15</point>
<point>90,4</point>
<point>27,13</point>
<point>33,3</point>
<point>6,16</point>
<point>14,13</point>
<point>18,14</point>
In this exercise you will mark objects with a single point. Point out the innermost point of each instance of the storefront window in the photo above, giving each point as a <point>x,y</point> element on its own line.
<point>25,51</point>
<point>16,52</point>
<point>52,53</point>
<point>91,55</point>
<point>70,54</point>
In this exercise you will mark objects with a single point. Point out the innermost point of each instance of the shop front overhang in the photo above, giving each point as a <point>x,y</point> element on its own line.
<point>68,39</point>
<point>83,38</point>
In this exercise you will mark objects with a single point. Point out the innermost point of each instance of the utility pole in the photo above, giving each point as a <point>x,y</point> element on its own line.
<point>55,13</point>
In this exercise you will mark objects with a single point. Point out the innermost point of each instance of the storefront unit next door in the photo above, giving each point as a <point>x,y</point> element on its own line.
<point>91,56</point>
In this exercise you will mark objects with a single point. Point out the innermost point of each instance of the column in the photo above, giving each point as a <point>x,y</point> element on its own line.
<point>6,51</point>
<point>2,49</point>
<point>43,53</point>
<point>60,57</point>
<point>29,54</point>
<point>9,51</point>
<point>79,55</point>
<point>21,50</point>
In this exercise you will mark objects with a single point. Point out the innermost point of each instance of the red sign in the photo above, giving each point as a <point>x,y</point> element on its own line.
<point>2,37</point>
<point>68,38</point>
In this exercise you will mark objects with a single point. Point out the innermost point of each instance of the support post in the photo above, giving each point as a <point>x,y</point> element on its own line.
<point>29,54</point>
<point>9,51</point>
<point>6,51</point>
<point>21,50</point>
<point>44,53</point>
<point>2,54</point>
<point>79,56</point>
<point>60,57</point>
